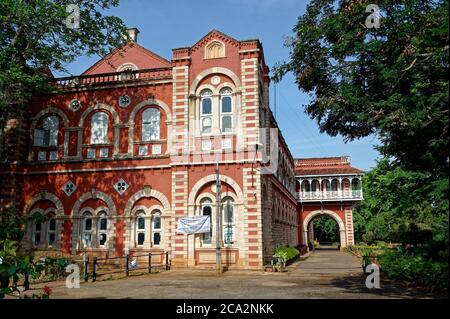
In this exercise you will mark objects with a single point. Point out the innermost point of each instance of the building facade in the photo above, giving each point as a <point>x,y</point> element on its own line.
<point>115,156</point>
<point>327,186</point>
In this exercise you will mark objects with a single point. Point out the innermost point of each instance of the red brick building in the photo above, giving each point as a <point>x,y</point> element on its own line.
<point>327,186</point>
<point>117,155</point>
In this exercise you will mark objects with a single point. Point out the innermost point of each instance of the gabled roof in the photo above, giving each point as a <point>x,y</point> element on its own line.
<point>214,33</point>
<point>157,60</point>
<point>325,166</point>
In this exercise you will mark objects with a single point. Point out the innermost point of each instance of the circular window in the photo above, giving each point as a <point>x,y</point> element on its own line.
<point>215,80</point>
<point>74,105</point>
<point>124,101</point>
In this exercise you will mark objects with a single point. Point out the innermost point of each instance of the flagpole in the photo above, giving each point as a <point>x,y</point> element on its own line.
<point>218,227</point>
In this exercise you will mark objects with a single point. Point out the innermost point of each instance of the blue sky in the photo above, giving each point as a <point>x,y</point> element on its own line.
<point>171,24</point>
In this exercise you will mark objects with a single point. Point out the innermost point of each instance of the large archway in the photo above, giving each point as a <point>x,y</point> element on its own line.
<point>307,226</point>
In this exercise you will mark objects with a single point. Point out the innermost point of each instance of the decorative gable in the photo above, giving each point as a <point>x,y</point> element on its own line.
<point>130,54</point>
<point>216,42</point>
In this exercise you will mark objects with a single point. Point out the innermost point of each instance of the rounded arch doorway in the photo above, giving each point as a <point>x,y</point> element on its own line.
<point>307,226</point>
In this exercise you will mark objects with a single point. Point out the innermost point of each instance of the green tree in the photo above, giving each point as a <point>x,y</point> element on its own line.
<point>398,202</point>
<point>326,229</point>
<point>391,81</point>
<point>35,38</point>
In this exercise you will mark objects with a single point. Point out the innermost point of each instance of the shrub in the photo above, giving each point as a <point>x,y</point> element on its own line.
<point>286,253</point>
<point>425,272</point>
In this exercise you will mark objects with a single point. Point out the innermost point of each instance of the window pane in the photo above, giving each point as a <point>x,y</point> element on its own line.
<point>156,222</point>
<point>37,239</point>
<point>150,124</point>
<point>226,124</point>
<point>141,223</point>
<point>141,238</point>
<point>334,185</point>
<point>226,104</point>
<point>87,239</point>
<point>52,224</point>
<point>88,224</point>
<point>102,239</point>
<point>99,128</point>
<point>103,223</point>
<point>156,238</point>
<point>206,125</point>
<point>206,106</point>
<point>228,213</point>
<point>37,226</point>
<point>39,136</point>
<point>228,235</point>
<point>51,239</point>
<point>206,211</point>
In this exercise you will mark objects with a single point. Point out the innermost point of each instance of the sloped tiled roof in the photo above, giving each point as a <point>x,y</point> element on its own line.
<point>325,166</point>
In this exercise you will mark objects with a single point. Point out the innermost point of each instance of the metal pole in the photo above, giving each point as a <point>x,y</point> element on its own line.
<point>167,261</point>
<point>149,262</point>
<point>94,275</point>
<point>218,227</point>
<point>86,270</point>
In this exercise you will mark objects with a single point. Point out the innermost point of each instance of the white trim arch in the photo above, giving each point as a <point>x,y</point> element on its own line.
<point>130,210</point>
<point>147,193</point>
<point>65,119</point>
<point>75,215</point>
<point>214,70</point>
<point>195,189</point>
<point>329,213</point>
<point>97,107</point>
<point>44,195</point>
<point>58,212</point>
<point>131,122</point>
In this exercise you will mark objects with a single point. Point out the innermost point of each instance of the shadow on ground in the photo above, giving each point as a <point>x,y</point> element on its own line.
<point>388,288</point>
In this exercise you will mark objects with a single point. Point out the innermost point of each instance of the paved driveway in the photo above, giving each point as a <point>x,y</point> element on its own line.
<point>325,274</point>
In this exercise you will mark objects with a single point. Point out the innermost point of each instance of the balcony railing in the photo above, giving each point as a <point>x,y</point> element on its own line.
<point>330,195</point>
<point>113,78</point>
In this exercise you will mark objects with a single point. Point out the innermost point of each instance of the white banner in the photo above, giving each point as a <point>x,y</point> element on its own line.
<point>194,225</point>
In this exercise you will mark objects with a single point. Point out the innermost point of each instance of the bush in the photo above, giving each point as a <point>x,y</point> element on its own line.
<point>425,272</point>
<point>286,253</point>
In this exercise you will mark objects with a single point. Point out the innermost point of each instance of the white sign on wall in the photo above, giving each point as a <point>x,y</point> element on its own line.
<point>194,225</point>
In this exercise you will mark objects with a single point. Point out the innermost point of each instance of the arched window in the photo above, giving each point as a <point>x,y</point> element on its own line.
<point>140,228</point>
<point>48,135</point>
<point>305,186</point>
<point>206,111</point>
<point>99,128</point>
<point>206,210</point>
<point>226,110</point>
<point>214,50</point>
<point>334,185</point>
<point>150,124</point>
<point>36,237</point>
<point>315,187</point>
<point>228,220</point>
<point>356,184</point>
<point>102,228</point>
<point>156,228</point>
<point>345,184</point>
<point>87,230</point>
<point>126,71</point>
<point>51,230</point>
<point>326,185</point>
